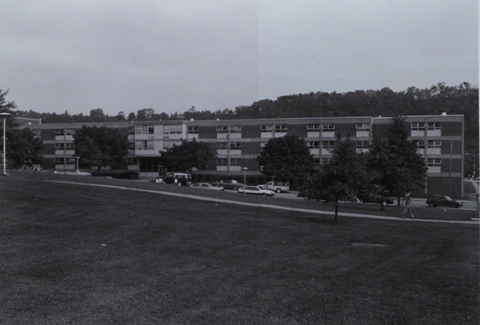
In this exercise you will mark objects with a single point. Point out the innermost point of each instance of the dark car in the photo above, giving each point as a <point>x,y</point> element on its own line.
<point>443,200</point>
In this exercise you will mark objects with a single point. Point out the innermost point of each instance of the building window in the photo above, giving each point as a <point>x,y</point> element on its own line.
<point>233,145</point>
<point>172,129</point>
<point>64,146</point>
<point>281,128</point>
<point>277,128</point>
<point>144,145</point>
<point>222,161</point>
<point>131,130</point>
<point>434,125</point>
<point>313,127</point>
<point>328,127</point>
<point>144,129</point>
<point>420,144</point>
<point>313,144</point>
<point>417,126</point>
<point>434,162</point>
<point>434,144</point>
<point>193,130</point>
<point>363,126</point>
<point>64,132</point>
<point>266,128</point>
<point>363,144</point>
<point>222,129</point>
<point>233,129</point>
<point>59,161</point>
<point>233,162</point>
<point>330,145</point>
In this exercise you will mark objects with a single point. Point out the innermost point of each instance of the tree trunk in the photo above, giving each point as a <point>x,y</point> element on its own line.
<point>382,207</point>
<point>336,211</point>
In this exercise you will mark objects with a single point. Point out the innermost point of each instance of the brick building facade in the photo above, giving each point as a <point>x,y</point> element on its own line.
<point>439,140</point>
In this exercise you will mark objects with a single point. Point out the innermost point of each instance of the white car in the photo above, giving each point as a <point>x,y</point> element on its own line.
<point>255,190</point>
<point>207,186</point>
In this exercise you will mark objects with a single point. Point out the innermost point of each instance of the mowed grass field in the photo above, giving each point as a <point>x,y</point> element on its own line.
<point>73,254</point>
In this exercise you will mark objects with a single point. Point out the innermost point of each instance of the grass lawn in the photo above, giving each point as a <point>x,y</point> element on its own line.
<point>82,255</point>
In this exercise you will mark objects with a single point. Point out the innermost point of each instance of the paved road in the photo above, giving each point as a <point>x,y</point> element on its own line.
<point>263,205</point>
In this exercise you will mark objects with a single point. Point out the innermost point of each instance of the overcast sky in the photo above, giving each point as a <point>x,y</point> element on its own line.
<point>170,55</point>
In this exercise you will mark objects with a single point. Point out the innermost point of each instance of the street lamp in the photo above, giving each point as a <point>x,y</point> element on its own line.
<point>4,116</point>
<point>245,175</point>
<point>473,155</point>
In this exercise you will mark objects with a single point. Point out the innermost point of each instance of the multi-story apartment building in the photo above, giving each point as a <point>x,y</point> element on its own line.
<point>439,140</point>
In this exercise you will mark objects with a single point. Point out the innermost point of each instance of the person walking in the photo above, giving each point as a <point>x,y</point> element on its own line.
<point>407,201</point>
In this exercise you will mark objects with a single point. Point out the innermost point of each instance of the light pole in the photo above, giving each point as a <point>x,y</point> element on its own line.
<point>76,163</point>
<point>473,155</point>
<point>4,116</point>
<point>245,175</point>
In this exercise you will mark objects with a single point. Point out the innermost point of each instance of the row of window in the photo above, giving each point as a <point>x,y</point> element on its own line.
<point>431,162</point>
<point>64,146</point>
<point>233,145</point>
<point>328,127</point>
<point>430,144</point>
<point>64,132</point>
<point>150,144</point>
<point>420,126</point>
<point>363,144</point>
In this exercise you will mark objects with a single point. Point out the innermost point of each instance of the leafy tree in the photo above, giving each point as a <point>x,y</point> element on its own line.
<point>145,114</point>
<point>6,107</point>
<point>188,155</point>
<point>97,115</point>
<point>100,146</point>
<point>23,147</point>
<point>131,116</point>
<point>340,178</point>
<point>286,157</point>
<point>393,161</point>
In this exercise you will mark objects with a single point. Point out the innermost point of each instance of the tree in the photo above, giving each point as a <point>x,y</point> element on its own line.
<point>393,161</point>
<point>131,116</point>
<point>97,115</point>
<point>340,178</point>
<point>6,107</point>
<point>286,157</point>
<point>23,148</point>
<point>188,155</point>
<point>101,146</point>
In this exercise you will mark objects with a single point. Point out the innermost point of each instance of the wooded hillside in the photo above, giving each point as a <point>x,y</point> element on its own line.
<point>461,99</point>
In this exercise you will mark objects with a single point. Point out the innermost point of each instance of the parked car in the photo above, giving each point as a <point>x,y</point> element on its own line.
<point>230,184</point>
<point>207,186</point>
<point>180,179</point>
<point>278,186</point>
<point>443,200</point>
<point>255,190</point>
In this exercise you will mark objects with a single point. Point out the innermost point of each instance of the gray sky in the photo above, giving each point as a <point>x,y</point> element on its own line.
<point>170,55</point>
